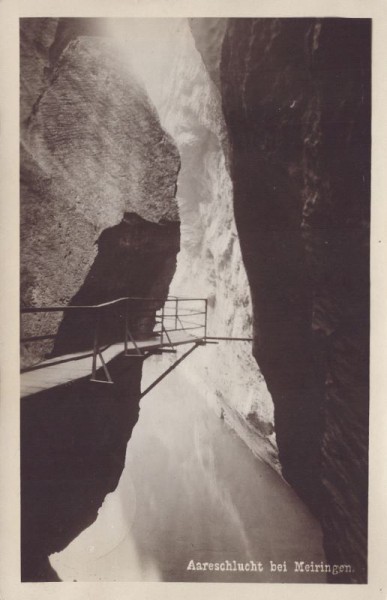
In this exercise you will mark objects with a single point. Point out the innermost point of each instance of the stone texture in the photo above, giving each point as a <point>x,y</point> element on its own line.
<point>296,99</point>
<point>92,150</point>
<point>210,263</point>
<point>36,37</point>
<point>208,35</point>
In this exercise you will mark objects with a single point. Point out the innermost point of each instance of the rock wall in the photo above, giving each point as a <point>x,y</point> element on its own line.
<point>135,258</point>
<point>208,35</point>
<point>296,100</point>
<point>92,149</point>
<point>210,263</point>
<point>99,220</point>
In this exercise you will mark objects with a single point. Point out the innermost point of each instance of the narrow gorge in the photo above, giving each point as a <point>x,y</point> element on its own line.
<point>228,161</point>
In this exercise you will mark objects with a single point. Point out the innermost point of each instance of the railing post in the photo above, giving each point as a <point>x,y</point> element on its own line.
<point>95,346</point>
<point>176,310</point>
<point>162,325</point>
<point>205,319</point>
<point>126,326</point>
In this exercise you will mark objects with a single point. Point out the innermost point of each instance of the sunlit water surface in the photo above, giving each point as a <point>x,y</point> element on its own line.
<point>191,490</point>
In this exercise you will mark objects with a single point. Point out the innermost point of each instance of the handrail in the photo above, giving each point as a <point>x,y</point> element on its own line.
<point>182,323</point>
<point>181,318</point>
<point>33,309</point>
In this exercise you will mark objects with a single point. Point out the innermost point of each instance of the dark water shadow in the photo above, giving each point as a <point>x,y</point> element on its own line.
<point>73,441</point>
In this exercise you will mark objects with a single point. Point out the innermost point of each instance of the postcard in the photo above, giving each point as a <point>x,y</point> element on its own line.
<point>193,230</point>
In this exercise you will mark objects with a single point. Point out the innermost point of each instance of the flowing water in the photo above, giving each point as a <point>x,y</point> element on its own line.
<point>192,491</point>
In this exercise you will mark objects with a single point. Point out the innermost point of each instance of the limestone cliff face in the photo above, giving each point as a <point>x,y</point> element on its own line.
<point>92,149</point>
<point>210,263</point>
<point>208,35</point>
<point>296,100</point>
<point>36,38</point>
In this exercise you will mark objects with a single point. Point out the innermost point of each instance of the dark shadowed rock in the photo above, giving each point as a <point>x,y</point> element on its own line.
<point>296,99</point>
<point>136,258</point>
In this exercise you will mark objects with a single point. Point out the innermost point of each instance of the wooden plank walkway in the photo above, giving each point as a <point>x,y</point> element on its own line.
<point>63,369</point>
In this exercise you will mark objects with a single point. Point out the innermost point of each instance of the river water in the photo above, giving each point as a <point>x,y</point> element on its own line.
<point>191,490</point>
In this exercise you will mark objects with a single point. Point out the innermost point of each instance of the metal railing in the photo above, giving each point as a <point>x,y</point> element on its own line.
<point>175,315</point>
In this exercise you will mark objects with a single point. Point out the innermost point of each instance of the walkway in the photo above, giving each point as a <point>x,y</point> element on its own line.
<point>57,371</point>
<point>179,321</point>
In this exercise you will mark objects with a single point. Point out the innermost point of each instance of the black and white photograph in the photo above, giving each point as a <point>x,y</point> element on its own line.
<point>194,288</point>
<point>195,206</point>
